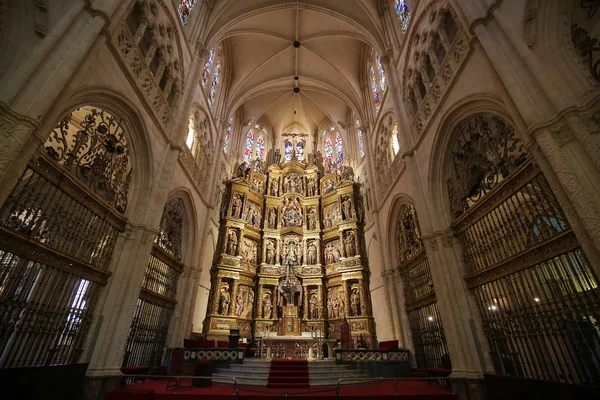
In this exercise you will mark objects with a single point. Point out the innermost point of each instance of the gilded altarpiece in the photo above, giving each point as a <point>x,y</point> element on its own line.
<point>287,223</point>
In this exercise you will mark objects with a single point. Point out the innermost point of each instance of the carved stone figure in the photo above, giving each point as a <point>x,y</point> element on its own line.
<point>270,252</point>
<point>243,170</point>
<point>232,243</point>
<point>347,173</point>
<point>267,306</point>
<point>312,219</point>
<point>310,186</point>
<point>259,166</point>
<point>355,302</point>
<point>224,300</point>
<point>272,218</point>
<point>275,187</point>
<point>249,212</point>
<point>328,186</point>
<point>349,244</point>
<point>250,303</point>
<point>312,253</point>
<point>277,156</point>
<point>255,217</point>
<point>292,212</point>
<point>239,305</point>
<point>313,306</point>
<point>329,254</point>
<point>237,206</point>
<point>346,208</point>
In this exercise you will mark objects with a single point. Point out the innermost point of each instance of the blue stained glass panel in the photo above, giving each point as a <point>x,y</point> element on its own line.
<point>215,84</point>
<point>328,150</point>
<point>403,13</point>
<point>288,151</point>
<point>382,80</point>
<point>207,67</point>
<point>375,90</point>
<point>361,144</point>
<point>300,151</point>
<point>260,147</point>
<point>339,152</point>
<point>249,146</point>
<point>185,9</point>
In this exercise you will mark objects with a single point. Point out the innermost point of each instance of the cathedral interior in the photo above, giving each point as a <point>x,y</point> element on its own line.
<point>358,171</point>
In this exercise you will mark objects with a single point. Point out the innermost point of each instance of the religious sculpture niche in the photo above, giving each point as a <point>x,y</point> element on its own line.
<point>257,185</point>
<point>328,186</point>
<point>267,309</point>
<point>346,208</point>
<point>270,251</point>
<point>332,252</point>
<point>274,187</point>
<point>311,187</point>
<point>236,206</point>
<point>249,251</point>
<point>232,242</point>
<point>291,212</point>
<point>355,301</point>
<point>272,218</point>
<point>311,253</point>
<point>292,250</point>
<point>335,303</point>
<point>313,306</point>
<point>253,214</point>
<point>312,219</point>
<point>293,183</point>
<point>349,244</point>
<point>347,173</point>
<point>224,299</point>
<point>331,214</point>
<point>244,302</point>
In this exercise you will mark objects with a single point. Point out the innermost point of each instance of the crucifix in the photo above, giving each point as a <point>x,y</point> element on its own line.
<point>294,137</point>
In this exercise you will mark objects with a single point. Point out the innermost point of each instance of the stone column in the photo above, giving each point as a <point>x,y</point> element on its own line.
<point>363,297</point>
<point>217,294</point>
<point>320,304</point>
<point>393,312</point>
<point>259,301</point>
<point>150,54</point>
<point>305,310</point>
<point>318,244</point>
<point>304,251</point>
<point>278,252</point>
<point>346,285</point>
<point>234,293</point>
<point>141,30</point>
<point>397,288</point>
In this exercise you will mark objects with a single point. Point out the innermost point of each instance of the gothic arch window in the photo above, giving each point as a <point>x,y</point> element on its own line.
<point>260,147</point>
<point>403,13</point>
<point>288,151</point>
<point>185,9</point>
<point>504,213</point>
<point>249,146</point>
<point>361,144</point>
<point>419,292</point>
<point>157,299</point>
<point>66,211</point>
<point>328,150</point>
<point>208,67</point>
<point>228,134</point>
<point>382,80</point>
<point>333,146</point>
<point>215,84</point>
<point>375,90</point>
<point>300,151</point>
<point>339,151</point>
<point>395,143</point>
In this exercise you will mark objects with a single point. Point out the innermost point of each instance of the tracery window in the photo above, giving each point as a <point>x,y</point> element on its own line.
<point>189,141</point>
<point>215,84</point>
<point>157,299</point>
<point>185,9</point>
<point>521,221</point>
<point>328,151</point>
<point>61,238</point>
<point>249,146</point>
<point>339,152</point>
<point>300,151</point>
<point>395,142</point>
<point>260,147</point>
<point>375,90</point>
<point>288,151</point>
<point>208,67</point>
<point>361,144</point>
<point>382,80</point>
<point>403,13</point>
<point>228,134</point>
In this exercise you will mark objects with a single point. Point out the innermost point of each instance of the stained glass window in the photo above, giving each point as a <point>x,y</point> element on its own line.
<point>215,84</point>
<point>228,134</point>
<point>328,150</point>
<point>185,9</point>
<point>395,142</point>
<point>375,90</point>
<point>260,147</point>
<point>339,153</point>
<point>249,146</point>
<point>191,134</point>
<point>403,13</point>
<point>300,151</point>
<point>382,80</point>
<point>207,67</point>
<point>288,151</point>
<point>361,144</point>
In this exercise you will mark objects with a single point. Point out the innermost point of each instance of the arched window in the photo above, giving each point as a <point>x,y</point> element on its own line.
<point>403,13</point>
<point>395,142</point>
<point>300,151</point>
<point>215,84</point>
<point>375,90</point>
<point>59,228</point>
<point>339,152</point>
<point>185,9</point>
<point>361,144</point>
<point>159,289</point>
<point>191,137</point>
<point>228,134</point>
<point>382,80</point>
<point>208,67</point>
<point>328,151</point>
<point>249,146</point>
<point>260,147</point>
<point>288,151</point>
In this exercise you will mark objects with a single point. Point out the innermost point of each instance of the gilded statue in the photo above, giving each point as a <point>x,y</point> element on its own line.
<point>224,300</point>
<point>237,206</point>
<point>232,243</point>
<point>355,302</point>
<point>349,242</point>
<point>270,252</point>
<point>312,253</point>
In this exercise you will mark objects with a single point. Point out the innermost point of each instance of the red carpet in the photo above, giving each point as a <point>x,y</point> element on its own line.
<point>287,374</point>
<point>407,390</point>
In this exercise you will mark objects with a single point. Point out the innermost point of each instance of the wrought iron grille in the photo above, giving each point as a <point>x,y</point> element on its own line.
<point>419,292</point>
<point>536,292</point>
<point>148,334</point>
<point>431,350</point>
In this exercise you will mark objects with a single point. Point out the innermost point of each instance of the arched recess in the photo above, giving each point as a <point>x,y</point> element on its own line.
<point>420,301</point>
<point>522,261</point>
<point>58,231</point>
<point>158,295</point>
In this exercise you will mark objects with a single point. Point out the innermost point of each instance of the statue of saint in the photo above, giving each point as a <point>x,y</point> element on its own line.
<point>355,302</point>
<point>267,307</point>
<point>313,306</point>
<point>312,253</point>
<point>312,219</point>
<point>275,187</point>
<point>239,305</point>
<point>310,186</point>
<point>224,300</point>
<point>349,244</point>
<point>347,208</point>
<point>276,156</point>
<point>272,218</point>
<point>237,206</point>
<point>232,243</point>
<point>270,252</point>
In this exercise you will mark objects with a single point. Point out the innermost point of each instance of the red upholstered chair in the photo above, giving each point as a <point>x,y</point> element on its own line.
<point>388,345</point>
<point>178,369</point>
<point>222,344</point>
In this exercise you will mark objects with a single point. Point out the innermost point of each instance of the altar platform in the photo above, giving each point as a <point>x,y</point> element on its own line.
<point>303,346</point>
